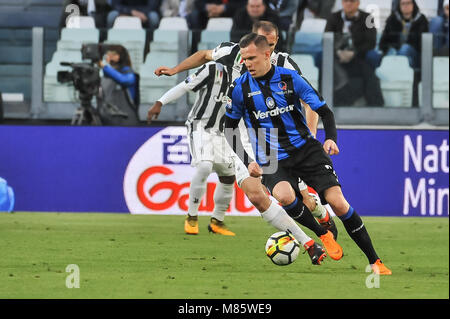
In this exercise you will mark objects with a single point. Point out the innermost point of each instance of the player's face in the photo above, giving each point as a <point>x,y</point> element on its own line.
<point>256,60</point>
<point>271,37</point>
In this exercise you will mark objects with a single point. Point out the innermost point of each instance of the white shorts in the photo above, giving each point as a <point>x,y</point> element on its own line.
<point>205,146</point>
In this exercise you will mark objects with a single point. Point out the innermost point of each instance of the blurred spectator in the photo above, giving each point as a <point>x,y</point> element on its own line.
<point>354,77</point>
<point>439,28</point>
<point>402,34</point>
<point>98,9</point>
<point>321,8</point>
<point>146,10</point>
<point>205,9</point>
<point>286,10</point>
<point>440,7</point>
<point>254,11</point>
<point>176,8</point>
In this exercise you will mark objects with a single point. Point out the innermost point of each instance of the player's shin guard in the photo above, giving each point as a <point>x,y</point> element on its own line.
<point>301,214</point>
<point>222,198</point>
<point>198,186</point>
<point>357,231</point>
<point>278,218</point>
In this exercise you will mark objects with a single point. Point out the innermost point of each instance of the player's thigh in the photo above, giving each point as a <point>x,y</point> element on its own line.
<point>201,146</point>
<point>316,170</point>
<point>281,175</point>
<point>255,193</point>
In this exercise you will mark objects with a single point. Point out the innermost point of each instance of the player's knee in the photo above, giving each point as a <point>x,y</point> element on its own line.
<point>337,201</point>
<point>284,193</point>
<point>204,168</point>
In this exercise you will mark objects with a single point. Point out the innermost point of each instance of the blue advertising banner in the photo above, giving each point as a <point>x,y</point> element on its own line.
<point>108,169</point>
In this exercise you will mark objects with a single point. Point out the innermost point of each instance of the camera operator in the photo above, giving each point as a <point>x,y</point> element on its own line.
<point>119,88</point>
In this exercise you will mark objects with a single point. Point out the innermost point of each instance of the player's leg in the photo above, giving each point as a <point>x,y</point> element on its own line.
<point>295,207</point>
<point>202,157</point>
<point>312,201</point>
<point>222,198</point>
<point>354,227</point>
<point>196,192</point>
<point>276,216</point>
<point>273,213</point>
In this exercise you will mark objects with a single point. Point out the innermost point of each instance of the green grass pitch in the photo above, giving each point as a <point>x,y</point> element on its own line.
<point>126,256</point>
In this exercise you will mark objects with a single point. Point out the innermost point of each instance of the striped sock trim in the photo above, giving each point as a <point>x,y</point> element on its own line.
<point>292,205</point>
<point>347,215</point>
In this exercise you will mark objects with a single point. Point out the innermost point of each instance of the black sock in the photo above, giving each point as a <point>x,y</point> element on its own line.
<point>358,232</point>
<point>301,214</point>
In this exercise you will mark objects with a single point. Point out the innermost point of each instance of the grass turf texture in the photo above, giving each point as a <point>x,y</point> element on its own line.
<point>126,256</point>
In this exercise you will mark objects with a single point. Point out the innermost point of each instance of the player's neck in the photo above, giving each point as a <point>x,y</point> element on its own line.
<point>268,75</point>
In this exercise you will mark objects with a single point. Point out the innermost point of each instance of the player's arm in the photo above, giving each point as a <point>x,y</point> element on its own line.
<point>193,82</point>
<point>172,95</point>
<point>310,96</point>
<point>312,119</point>
<point>191,62</point>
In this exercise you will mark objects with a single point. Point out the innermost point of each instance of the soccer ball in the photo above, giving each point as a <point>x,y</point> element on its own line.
<point>282,248</point>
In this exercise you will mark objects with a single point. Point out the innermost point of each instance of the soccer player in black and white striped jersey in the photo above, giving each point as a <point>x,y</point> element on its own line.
<point>207,144</point>
<point>228,54</point>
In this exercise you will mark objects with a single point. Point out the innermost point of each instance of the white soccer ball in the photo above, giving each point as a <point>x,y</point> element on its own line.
<point>282,248</point>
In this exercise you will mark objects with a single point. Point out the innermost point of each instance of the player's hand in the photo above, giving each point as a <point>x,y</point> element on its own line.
<point>154,111</point>
<point>255,170</point>
<point>331,147</point>
<point>164,70</point>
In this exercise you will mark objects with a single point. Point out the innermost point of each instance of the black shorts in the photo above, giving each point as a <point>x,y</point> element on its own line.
<point>311,164</point>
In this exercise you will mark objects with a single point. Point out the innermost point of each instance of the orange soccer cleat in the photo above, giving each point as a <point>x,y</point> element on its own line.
<point>191,225</point>
<point>334,250</point>
<point>380,269</point>
<point>218,227</point>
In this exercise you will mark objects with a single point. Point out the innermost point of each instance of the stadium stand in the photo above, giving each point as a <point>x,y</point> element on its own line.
<point>128,32</point>
<point>308,40</point>
<point>440,82</point>
<point>164,50</point>
<point>30,13</point>
<point>396,80</point>
<point>53,90</point>
<point>217,31</point>
<point>309,70</point>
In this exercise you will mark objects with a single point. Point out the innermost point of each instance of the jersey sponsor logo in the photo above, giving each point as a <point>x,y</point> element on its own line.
<point>284,92</point>
<point>275,112</point>
<point>254,93</point>
<point>270,102</point>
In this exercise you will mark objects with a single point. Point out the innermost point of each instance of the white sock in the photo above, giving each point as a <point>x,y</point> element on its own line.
<point>198,186</point>
<point>276,216</point>
<point>222,198</point>
<point>320,211</point>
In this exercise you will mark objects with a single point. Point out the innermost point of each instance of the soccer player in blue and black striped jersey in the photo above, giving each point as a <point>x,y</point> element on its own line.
<point>267,98</point>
